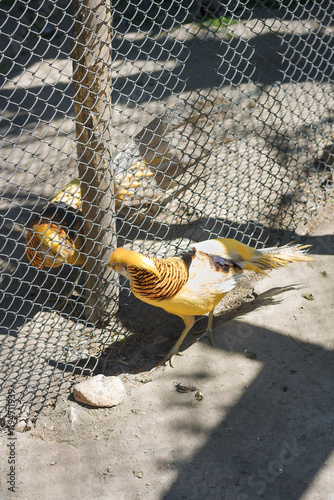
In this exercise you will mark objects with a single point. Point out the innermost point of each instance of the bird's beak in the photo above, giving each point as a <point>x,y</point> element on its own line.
<point>110,265</point>
<point>113,265</point>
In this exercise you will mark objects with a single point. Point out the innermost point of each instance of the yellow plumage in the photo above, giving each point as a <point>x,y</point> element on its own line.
<point>194,282</point>
<point>54,236</point>
<point>70,195</point>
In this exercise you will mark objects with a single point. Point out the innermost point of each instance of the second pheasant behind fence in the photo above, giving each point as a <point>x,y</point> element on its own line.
<point>54,237</point>
<point>194,282</point>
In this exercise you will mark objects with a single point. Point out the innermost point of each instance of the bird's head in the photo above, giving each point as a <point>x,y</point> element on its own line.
<point>121,260</point>
<point>46,246</point>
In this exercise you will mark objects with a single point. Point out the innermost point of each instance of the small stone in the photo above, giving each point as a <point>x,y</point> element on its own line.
<point>308,296</point>
<point>100,391</point>
<point>199,395</point>
<point>21,426</point>
<point>250,355</point>
<point>138,473</point>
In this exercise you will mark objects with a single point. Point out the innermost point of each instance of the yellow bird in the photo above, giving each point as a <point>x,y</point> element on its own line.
<point>194,282</point>
<point>53,238</point>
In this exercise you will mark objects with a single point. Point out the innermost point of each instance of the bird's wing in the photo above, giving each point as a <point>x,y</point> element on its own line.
<point>210,278</point>
<point>214,272</point>
<point>228,248</point>
<point>223,286</point>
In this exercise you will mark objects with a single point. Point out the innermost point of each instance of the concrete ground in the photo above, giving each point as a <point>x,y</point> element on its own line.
<point>262,429</point>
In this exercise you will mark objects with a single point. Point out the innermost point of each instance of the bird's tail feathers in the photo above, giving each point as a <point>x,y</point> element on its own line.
<point>276,257</point>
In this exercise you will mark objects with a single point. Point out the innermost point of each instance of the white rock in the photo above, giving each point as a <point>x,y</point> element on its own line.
<point>23,426</point>
<point>100,391</point>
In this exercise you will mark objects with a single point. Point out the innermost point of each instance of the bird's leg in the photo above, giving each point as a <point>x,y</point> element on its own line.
<point>208,329</point>
<point>189,323</point>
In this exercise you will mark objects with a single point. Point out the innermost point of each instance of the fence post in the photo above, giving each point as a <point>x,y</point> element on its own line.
<point>92,86</point>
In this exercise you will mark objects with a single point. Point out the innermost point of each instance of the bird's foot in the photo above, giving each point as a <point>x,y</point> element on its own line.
<point>173,352</point>
<point>205,333</point>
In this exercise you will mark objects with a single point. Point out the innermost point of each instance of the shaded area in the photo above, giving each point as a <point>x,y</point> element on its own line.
<point>275,439</point>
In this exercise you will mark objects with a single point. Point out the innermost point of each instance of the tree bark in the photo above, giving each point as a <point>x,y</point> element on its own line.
<point>92,87</point>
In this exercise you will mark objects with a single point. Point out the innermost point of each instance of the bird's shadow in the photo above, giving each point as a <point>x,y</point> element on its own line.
<point>144,350</point>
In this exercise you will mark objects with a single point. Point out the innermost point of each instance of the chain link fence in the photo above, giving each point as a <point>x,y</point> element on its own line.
<point>181,121</point>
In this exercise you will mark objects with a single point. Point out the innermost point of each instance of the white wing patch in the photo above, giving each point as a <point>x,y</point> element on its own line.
<point>228,285</point>
<point>211,246</point>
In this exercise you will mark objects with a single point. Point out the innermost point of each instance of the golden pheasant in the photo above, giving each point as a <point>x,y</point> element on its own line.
<point>53,238</point>
<point>194,282</point>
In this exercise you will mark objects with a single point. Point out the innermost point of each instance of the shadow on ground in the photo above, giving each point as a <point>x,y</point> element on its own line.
<point>277,436</point>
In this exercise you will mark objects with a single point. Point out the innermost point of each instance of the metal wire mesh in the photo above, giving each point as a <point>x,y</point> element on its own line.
<point>220,123</point>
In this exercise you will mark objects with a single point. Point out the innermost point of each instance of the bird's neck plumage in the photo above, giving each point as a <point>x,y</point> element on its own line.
<point>174,274</point>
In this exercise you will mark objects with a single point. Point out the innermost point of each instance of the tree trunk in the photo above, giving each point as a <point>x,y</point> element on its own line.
<point>92,105</point>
